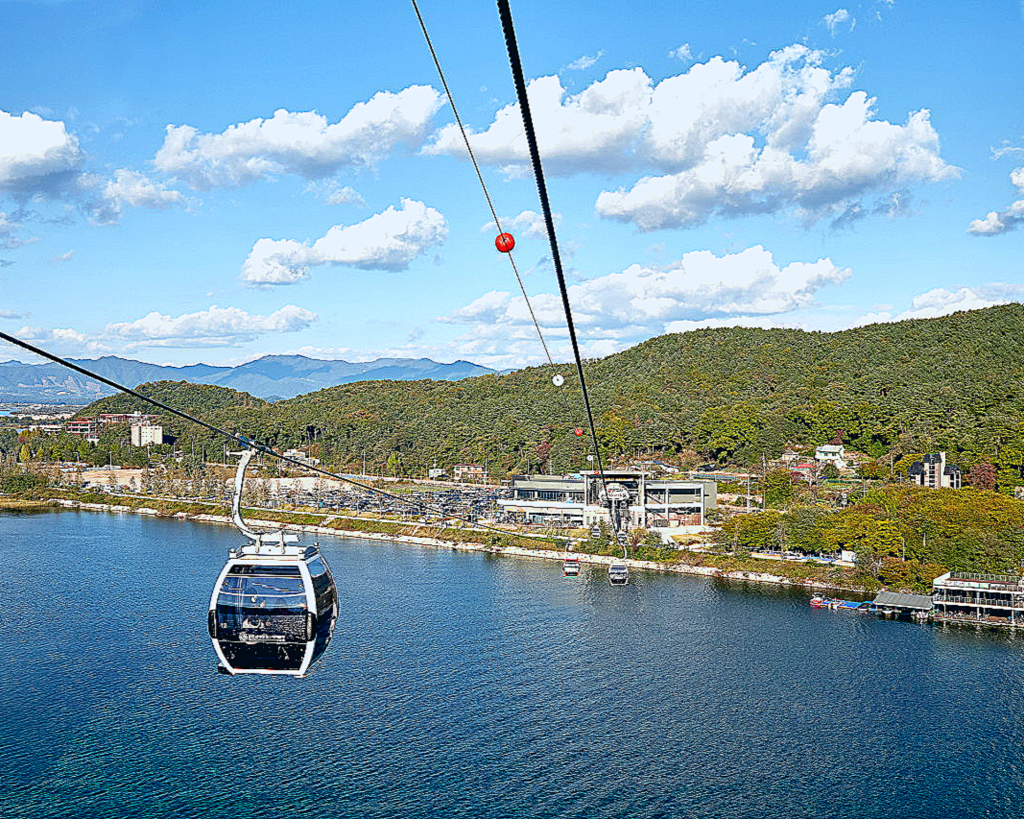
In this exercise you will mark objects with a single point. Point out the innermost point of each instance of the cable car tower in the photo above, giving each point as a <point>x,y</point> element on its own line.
<point>274,605</point>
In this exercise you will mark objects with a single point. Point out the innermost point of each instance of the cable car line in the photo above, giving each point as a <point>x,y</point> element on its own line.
<point>249,443</point>
<point>503,237</point>
<point>538,172</point>
<point>480,177</point>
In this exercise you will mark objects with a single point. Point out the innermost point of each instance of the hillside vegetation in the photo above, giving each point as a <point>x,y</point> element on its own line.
<point>954,383</point>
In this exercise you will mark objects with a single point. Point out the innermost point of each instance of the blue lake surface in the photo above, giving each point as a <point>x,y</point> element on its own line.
<point>465,685</point>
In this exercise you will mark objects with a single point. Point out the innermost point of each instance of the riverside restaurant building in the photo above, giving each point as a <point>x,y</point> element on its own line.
<point>575,500</point>
<point>982,597</point>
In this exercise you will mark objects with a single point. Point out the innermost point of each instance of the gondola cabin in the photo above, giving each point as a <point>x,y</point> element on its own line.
<point>273,609</point>
<point>571,567</point>
<point>618,574</point>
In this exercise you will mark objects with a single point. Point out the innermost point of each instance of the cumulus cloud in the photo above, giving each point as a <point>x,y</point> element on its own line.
<point>943,302</point>
<point>135,189</point>
<point>37,156</point>
<point>386,241</point>
<point>303,143</point>
<point>1010,218</point>
<point>719,139</point>
<point>216,326</point>
<point>848,155</point>
<point>642,300</point>
<point>41,162</point>
<point>837,19</point>
<point>594,130</point>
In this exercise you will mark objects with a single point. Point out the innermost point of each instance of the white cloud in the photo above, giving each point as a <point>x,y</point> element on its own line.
<point>585,62</point>
<point>719,139</point>
<point>943,302</point>
<point>216,326</point>
<point>643,301</point>
<point>40,161</point>
<point>527,223</point>
<point>12,314</point>
<point>63,257</point>
<point>386,241</point>
<point>37,156</point>
<point>10,224</point>
<point>334,194</point>
<point>594,130</point>
<point>302,143</point>
<point>847,156</point>
<point>1010,218</point>
<point>134,189</point>
<point>836,19</point>
<point>682,53</point>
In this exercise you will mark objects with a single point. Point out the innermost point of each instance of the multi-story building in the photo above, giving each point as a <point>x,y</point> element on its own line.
<point>105,418</point>
<point>86,427</point>
<point>933,471</point>
<point>831,454</point>
<point>469,472</point>
<point>960,596</point>
<point>146,434</point>
<point>581,500</point>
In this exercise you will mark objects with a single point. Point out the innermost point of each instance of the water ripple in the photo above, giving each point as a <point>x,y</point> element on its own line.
<point>463,685</point>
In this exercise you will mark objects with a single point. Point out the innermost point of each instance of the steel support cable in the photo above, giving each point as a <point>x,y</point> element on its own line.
<point>487,196</point>
<point>422,506</point>
<point>542,190</point>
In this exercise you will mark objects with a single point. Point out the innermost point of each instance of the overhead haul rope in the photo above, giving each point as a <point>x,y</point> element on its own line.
<point>422,506</point>
<point>542,190</point>
<point>556,376</point>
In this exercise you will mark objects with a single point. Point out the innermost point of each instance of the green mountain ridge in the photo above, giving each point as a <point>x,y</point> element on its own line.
<point>954,383</point>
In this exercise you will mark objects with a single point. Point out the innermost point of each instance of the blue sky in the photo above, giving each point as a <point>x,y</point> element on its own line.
<point>212,182</point>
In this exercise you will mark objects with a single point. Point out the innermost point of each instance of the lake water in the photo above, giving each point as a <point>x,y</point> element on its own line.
<point>464,685</point>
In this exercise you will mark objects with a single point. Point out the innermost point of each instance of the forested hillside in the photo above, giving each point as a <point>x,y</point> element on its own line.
<point>954,383</point>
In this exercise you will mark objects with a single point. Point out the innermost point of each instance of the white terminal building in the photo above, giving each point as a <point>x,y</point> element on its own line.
<point>575,500</point>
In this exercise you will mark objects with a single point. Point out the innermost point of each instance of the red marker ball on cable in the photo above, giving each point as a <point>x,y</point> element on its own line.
<point>579,432</point>
<point>505,242</point>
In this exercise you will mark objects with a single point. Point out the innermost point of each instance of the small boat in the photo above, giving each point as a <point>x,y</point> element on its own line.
<point>618,574</point>
<point>820,602</point>
<point>571,567</point>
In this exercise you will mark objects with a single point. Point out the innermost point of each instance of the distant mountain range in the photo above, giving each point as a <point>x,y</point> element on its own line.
<point>272,377</point>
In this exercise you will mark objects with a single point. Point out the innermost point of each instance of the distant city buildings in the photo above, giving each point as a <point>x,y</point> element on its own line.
<point>89,428</point>
<point>933,471</point>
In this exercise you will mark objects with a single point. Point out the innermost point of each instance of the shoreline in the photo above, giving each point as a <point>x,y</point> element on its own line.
<point>466,546</point>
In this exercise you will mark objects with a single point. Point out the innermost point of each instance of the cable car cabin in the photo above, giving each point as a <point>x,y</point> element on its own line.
<point>618,574</point>
<point>273,609</point>
<point>571,567</point>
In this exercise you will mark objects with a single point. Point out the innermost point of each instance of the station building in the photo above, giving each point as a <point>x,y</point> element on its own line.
<point>576,500</point>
